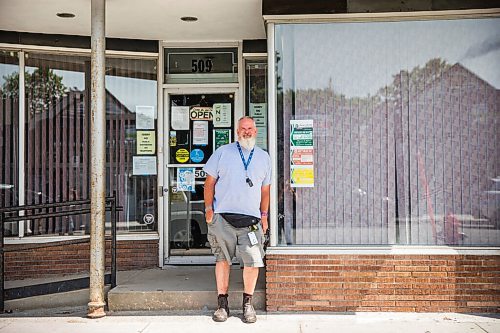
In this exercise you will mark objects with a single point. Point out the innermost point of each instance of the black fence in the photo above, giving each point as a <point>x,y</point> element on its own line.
<point>47,211</point>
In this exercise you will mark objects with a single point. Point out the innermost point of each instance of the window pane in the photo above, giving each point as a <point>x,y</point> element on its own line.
<point>256,97</point>
<point>56,148</point>
<point>130,83</point>
<point>406,132</point>
<point>58,136</point>
<point>9,123</point>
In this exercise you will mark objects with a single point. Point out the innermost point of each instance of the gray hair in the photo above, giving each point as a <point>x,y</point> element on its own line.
<point>246,117</point>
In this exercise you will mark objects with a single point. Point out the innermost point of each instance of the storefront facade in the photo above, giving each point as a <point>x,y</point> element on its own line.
<point>382,124</point>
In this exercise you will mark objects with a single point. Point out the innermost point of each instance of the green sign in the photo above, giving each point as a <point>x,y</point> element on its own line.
<point>221,137</point>
<point>301,133</point>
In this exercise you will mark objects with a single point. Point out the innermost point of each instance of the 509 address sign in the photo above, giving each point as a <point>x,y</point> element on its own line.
<point>201,62</point>
<point>201,65</point>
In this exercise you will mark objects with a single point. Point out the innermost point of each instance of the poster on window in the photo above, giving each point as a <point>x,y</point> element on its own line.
<point>222,115</point>
<point>200,132</point>
<point>185,179</point>
<point>143,165</point>
<point>301,153</point>
<point>258,111</point>
<point>146,142</point>
<point>301,133</point>
<point>301,156</point>
<point>301,176</point>
<point>221,137</point>
<point>180,118</point>
<point>145,117</point>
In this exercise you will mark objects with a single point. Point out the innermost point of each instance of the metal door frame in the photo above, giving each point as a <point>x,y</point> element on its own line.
<point>238,112</point>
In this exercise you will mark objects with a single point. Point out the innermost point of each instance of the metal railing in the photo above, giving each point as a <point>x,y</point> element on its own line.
<point>45,211</point>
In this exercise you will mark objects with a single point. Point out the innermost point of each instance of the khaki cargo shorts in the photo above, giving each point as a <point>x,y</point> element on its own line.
<point>227,241</point>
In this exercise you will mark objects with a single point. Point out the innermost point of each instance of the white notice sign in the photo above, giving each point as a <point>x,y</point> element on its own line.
<point>222,115</point>
<point>144,165</point>
<point>180,118</point>
<point>258,111</point>
<point>144,117</point>
<point>200,132</point>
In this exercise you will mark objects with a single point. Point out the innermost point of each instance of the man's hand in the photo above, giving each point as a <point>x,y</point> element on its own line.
<point>267,240</point>
<point>209,216</point>
<point>265,225</point>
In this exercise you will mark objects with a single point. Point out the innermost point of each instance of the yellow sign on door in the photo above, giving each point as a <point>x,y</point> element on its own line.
<point>182,155</point>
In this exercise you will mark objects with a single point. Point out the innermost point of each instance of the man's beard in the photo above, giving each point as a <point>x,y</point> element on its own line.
<point>247,143</point>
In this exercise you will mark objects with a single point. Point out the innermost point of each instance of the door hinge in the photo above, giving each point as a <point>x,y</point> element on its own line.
<point>162,191</point>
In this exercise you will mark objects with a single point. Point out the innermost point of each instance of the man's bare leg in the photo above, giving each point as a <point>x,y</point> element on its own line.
<point>250,275</point>
<point>222,270</point>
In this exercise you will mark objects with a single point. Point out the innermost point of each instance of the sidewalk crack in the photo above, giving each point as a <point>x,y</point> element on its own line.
<point>145,327</point>
<point>481,327</point>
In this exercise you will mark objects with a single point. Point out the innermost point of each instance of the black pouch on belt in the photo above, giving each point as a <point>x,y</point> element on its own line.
<point>240,220</point>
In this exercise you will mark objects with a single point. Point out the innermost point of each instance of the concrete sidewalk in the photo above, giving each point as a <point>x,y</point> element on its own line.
<point>173,288</point>
<point>74,321</point>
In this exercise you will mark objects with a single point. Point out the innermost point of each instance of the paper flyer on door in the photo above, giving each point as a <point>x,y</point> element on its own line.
<point>180,118</point>
<point>200,132</point>
<point>185,179</point>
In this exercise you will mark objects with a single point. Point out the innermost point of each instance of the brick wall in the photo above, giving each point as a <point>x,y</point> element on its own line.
<point>37,260</point>
<point>406,283</point>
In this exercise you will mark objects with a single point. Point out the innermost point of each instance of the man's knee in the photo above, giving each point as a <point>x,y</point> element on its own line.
<point>251,269</point>
<point>223,264</point>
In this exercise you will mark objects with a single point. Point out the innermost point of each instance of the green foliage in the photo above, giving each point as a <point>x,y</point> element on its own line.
<point>43,89</point>
<point>417,77</point>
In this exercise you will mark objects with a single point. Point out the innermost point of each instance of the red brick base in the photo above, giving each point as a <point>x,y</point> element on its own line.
<point>74,257</point>
<point>406,283</point>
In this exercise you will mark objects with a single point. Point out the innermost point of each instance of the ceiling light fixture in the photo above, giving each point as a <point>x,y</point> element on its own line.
<point>65,15</point>
<point>189,18</point>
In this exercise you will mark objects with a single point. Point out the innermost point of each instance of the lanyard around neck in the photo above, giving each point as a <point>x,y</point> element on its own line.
<point>245,163</point>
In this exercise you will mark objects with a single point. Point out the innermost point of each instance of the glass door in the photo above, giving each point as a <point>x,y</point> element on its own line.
<point>197,125</point>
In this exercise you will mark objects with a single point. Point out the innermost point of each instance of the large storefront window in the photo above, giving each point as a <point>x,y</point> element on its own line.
<point>56,148</point>
<point>406,132</point>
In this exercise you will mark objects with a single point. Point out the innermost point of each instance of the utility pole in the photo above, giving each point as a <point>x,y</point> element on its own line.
<point>97,159</point>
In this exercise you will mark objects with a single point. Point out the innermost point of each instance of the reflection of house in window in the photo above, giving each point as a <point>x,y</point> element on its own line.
<point>64,128</point>
<point>453,150</point>
<point>423,148</point>
<point>57,136</point>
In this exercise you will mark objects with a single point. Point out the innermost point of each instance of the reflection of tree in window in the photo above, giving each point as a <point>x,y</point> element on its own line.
<point>43,87</point>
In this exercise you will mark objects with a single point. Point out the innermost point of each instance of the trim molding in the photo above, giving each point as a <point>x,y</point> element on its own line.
<point>59,50</point>
<point>51,239</point>
<point>389,16</point>
<point>388,250</point>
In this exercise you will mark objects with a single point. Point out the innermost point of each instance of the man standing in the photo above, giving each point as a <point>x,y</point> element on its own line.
<point>236,194</point>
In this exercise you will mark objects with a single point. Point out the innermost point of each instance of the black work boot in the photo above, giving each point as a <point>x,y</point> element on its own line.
<point>249,315</point>
<point>222,311</point>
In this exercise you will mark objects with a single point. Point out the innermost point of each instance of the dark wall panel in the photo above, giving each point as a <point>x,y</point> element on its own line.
<point>117,44</point>
<point>297,7</point>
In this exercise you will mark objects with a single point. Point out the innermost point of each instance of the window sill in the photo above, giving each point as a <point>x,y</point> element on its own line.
<point>50,239</point>
<point>388,250</point>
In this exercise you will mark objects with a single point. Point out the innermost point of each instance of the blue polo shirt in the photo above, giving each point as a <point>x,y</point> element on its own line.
<point>232,193</point>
